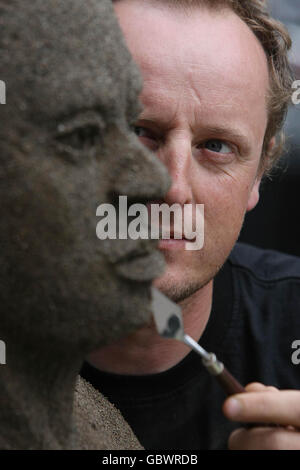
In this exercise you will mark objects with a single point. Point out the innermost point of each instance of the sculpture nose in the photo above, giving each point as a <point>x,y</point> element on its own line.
<point>139,173</point>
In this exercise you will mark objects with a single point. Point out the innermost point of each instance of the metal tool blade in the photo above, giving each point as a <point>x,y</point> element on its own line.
<point>169,324</point>
<point>167,316</point>
<point>168,320</point>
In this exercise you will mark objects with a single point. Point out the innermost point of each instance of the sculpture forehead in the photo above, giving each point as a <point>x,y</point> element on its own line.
<point>66,55</point>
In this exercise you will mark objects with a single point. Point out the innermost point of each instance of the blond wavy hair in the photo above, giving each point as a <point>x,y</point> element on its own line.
<point>276,43</point>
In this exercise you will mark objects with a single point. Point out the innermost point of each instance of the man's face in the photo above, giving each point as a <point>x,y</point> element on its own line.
<point>204,114</point>
<point>66,147</point>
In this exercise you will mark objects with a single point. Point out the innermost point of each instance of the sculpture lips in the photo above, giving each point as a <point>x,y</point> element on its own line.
<point>142,268</point>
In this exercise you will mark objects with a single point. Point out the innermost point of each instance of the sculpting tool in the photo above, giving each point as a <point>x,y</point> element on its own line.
<point>168,320</point>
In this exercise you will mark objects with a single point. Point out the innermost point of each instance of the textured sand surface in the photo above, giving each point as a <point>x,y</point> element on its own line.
<point>99,424</point>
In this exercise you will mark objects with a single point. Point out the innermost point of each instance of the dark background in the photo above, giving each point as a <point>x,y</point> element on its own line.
<point>275,222</point>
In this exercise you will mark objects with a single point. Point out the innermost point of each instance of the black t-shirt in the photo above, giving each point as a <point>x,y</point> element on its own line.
<point>254,321</point>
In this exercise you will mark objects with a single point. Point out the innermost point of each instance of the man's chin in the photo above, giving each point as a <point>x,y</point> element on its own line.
<point>179,285</point>
<point>178,290</point>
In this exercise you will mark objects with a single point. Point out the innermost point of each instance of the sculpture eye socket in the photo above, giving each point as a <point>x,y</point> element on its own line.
<point>80,139</point>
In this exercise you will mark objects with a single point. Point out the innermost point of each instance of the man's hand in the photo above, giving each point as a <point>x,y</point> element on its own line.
<point>269,405</point>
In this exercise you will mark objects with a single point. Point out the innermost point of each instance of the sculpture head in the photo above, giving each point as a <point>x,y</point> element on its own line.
<point>65,147</point>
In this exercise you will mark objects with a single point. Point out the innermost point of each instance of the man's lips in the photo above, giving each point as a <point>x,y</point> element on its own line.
<point>179,236</point>
<point>172,244</point>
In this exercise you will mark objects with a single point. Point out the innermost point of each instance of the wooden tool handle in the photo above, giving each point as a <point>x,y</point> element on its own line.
<point>229,383</point>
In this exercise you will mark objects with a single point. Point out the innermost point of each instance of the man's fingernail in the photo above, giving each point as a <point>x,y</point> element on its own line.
<point>234,407</point>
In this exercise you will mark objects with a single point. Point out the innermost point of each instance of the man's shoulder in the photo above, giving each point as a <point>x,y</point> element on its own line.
<point>264,265</point>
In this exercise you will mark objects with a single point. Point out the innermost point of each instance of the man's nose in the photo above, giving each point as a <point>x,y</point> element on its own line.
<point>139,173</point>
<point>177,157</point>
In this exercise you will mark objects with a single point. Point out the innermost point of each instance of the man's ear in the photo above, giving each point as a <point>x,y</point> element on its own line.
<point>254,195</point>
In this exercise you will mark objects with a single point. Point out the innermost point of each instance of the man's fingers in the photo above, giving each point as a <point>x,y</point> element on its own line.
<point>264,404</point>
<point>264,439</point>
<point>265,407</point>
<point>259,387</point>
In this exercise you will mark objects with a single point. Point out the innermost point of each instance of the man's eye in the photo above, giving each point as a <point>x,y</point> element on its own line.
<point>142,132</point>
<point>147,137</point>
<point>80,139</point>
<point>138,131</point>
<point>217,146</point>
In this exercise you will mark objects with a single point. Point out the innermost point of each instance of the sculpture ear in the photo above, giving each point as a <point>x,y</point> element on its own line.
<point>254,195</point>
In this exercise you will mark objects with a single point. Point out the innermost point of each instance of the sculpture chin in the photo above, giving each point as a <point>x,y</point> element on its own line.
<point>142,268</point>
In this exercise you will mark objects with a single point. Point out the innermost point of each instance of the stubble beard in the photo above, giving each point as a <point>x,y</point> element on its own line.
<point>179,291</point>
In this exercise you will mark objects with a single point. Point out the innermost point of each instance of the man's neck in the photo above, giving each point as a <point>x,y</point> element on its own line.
<point>145,352</point>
